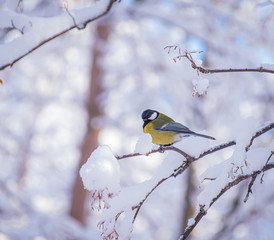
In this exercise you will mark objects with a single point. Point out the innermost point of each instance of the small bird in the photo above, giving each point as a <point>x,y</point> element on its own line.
<point>164,130</point>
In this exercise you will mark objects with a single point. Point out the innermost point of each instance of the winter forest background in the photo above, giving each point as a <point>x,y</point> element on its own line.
<point>89,86</point>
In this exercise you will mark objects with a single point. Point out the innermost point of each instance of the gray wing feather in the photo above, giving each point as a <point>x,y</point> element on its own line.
<point>181,129</point>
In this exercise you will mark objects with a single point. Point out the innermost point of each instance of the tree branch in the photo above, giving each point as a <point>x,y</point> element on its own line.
<point>159,150</point>
<point>216,148</point>
<point>259,133</point>
<point>200,69</point>
<point>272,153</point>
<point>203,154</point>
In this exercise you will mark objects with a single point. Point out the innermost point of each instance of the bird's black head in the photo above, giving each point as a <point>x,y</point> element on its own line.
<point>149,115</point>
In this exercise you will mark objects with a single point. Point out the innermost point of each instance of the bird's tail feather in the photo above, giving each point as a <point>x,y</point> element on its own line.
<point>202,135</point>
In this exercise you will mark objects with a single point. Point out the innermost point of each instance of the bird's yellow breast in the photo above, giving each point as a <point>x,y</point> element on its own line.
<point>160,137</point>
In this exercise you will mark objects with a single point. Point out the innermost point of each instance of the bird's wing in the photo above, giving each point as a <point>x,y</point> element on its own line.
<point>180,129</point>
<point>174,126</point>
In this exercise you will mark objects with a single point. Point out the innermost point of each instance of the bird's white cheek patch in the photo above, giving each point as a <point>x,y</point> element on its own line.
<point>153,116</point>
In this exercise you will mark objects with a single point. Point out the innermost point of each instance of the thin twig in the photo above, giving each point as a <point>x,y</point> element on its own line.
<point>72,17</point>
<point>249,190</point>
<point>272,153</point>
<point>138,207</point>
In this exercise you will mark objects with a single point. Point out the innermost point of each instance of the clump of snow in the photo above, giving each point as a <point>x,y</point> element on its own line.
<point>200,86</point>
<point>256,158</point>
<point>244,130</point>
<point>144,144</point>
<point>101,170</point>
<point>190,222</point>
<point>101,175</point>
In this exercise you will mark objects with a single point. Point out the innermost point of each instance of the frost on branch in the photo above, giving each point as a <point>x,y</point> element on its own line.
<point>101,176</point>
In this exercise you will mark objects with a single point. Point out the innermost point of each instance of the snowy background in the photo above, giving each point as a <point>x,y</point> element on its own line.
<point>46,114</point>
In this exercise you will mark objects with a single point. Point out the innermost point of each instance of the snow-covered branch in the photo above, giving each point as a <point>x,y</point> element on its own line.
<point>203,154</point>
<point>36,31</point>
<point>101,176</point>
<point>159,150</point>
<point>202,212</point>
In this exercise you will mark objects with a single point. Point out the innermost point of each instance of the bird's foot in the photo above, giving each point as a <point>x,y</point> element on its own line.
<point>161,149</point>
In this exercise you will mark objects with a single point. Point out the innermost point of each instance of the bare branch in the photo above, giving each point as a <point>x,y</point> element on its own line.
<point>200,69</point>
<point>136,154</point>
<point>205,71</point>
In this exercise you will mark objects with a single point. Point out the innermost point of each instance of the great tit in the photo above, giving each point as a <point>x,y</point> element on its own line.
<point>164,130</point>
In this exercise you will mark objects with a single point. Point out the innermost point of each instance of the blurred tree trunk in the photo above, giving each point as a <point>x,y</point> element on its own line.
<point>90,141</point>
<point>188,208</point>
<point>26,149</point>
